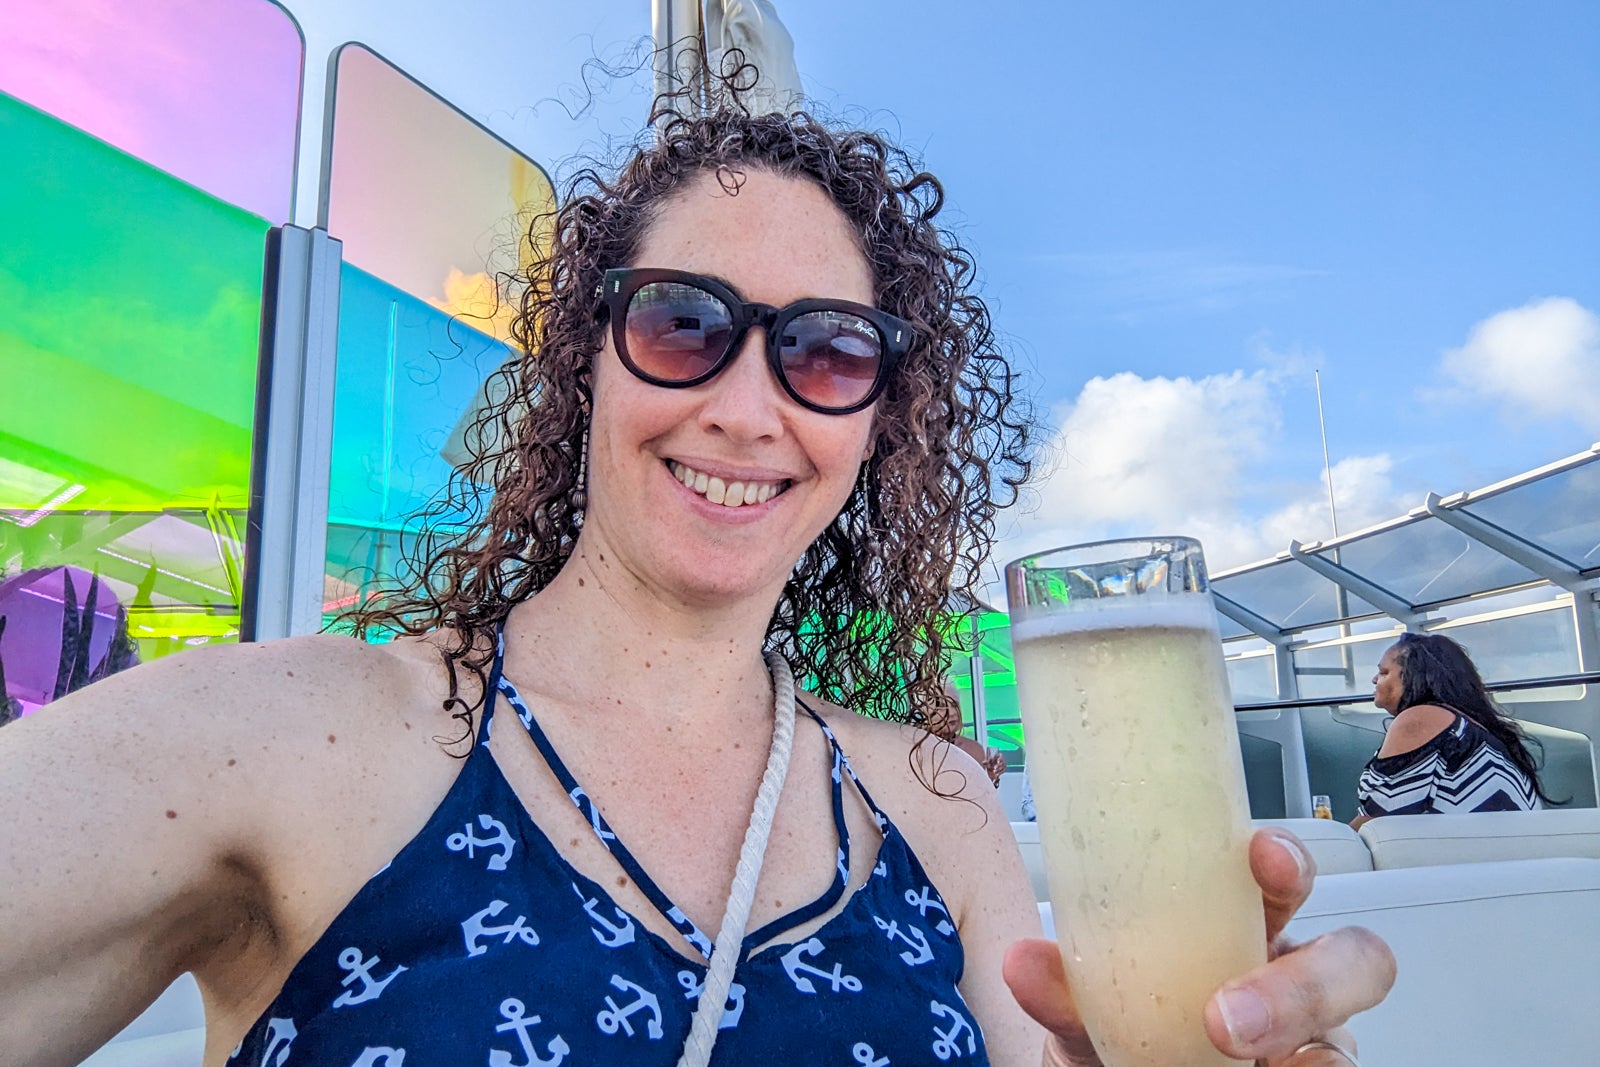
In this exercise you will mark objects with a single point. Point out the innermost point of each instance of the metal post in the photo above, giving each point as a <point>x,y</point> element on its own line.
<point>287,532</point>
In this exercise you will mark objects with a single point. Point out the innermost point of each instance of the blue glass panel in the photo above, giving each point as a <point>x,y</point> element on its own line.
<point>1290,595</point>
<point>407,371</point>
<point>1560,513</point>
<point>1428,561</point>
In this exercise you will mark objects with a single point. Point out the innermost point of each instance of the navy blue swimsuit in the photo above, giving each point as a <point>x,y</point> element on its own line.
<point>479,944</point>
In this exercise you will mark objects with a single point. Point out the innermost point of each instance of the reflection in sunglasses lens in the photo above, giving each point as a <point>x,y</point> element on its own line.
<point>676,332</point>
<point>831,357</point>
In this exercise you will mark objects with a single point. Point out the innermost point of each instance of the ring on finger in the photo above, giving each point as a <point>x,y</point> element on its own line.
<point>1350,1057</point>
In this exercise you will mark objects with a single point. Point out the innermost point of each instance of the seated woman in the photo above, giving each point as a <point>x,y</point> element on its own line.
<point>1450,747</point>
<point>758,419</point>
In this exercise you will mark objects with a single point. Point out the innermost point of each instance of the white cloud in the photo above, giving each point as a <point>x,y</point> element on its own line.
<point>1137,456</point>
<point>1541,360</point>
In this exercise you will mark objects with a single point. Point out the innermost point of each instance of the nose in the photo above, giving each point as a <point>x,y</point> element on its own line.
<point>745,401</point>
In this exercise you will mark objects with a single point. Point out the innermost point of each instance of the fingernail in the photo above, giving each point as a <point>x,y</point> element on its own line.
<point>1244,1014</point>
<point>1294,848</point>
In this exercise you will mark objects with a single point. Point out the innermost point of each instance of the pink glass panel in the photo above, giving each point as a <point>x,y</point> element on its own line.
<point>206,90</point>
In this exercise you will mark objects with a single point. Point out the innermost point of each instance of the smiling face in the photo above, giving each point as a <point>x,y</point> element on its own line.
<point>666,465</point>
<point>1386,683</point>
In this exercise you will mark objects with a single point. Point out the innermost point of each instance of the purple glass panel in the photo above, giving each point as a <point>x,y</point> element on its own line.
<point>208,92</point>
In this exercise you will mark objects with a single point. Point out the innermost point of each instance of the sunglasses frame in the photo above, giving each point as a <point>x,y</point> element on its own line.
<point>622,283</point>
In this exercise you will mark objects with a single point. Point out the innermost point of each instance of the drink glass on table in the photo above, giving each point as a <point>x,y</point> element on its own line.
<point>1134,758</point>
<point>1321,807</point>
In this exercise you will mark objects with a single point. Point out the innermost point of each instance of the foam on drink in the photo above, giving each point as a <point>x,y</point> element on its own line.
<point>1143,818</point>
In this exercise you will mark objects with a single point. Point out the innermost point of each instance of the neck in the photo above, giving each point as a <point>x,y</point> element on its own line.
<point>622,645</point>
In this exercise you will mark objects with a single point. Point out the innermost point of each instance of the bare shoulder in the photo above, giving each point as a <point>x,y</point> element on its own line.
<point>1415,727</point>
<point>938,796</point>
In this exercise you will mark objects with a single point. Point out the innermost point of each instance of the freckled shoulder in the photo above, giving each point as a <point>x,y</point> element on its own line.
<point>950,826</point>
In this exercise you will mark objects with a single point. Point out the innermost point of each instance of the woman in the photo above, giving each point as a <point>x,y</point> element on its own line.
<point>1450,748</point>
<point>603,621</point>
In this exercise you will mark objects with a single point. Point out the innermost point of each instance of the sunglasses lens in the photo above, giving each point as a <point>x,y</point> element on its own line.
<point>676,332</point>
<point>832,358</point>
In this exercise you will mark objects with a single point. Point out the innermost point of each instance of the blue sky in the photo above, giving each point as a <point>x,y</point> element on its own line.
<point>1181,211</point>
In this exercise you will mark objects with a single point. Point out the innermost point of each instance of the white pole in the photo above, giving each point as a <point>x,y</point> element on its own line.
<point>675,26</point>
<point>1327,468</point>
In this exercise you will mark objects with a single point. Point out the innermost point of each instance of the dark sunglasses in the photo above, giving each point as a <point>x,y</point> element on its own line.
<point>676,329</point>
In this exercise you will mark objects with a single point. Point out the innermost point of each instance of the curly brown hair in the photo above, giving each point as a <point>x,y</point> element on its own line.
<point>865,616</point>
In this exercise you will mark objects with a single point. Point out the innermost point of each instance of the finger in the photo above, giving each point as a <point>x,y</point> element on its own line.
<point>1322,1057</point>
<point>1284,869</point>
<point>1313,989</point>
<point>1033,972</point>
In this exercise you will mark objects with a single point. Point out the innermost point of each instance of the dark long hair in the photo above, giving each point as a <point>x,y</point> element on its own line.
<point>862,616</point>
<point>1436,670</point>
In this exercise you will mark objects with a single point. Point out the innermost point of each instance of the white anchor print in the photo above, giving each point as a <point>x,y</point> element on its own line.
<point>911,936</point>
<point>844,869</point>
<point>475,928</point>
<point>796,969</point>
<point>926,900</point>
<point>511,1010</point>
<point>516,703</point>
<point>881,870</point>
<point>948,1043</point>
<point>700,941</point>
<point>863,1055</point>
<point>381,1056</point>
<point>617,1018</point>
<point>732,1008</point>
<point>585,803</point>
<point>607,933</point>
<point>466,842</point>
<point>278,1030</point>
<point>350,960</point>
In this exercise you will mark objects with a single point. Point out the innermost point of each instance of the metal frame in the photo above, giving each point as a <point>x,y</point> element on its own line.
<point>287,533</point>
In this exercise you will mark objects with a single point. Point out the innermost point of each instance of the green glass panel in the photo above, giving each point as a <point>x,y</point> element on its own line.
<point>130,307</point>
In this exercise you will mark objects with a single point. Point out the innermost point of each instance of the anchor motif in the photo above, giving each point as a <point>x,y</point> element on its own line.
<point>512,1010</point>
<point>844,868</point>
<point>585,804</point>
<point>350,960</point>
<point>838,779</point>
<point>690,931</point>
<point>278,1030</point>
<point>864,1055</point>
<point>795,968</point>
<point>465,842</point>
<point>948,1044</point>
<point>924,901</point>
<point>732,1009</point>
<point>517,705</point>
<point>881,869</point>
<point>611,1021</point>
<point>618,935</point>
<point>381,1056</point>
<point>475,928</point>
<point>911,936</point>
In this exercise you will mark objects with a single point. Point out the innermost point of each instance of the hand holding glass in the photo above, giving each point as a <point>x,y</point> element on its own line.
<point>1137,779</point>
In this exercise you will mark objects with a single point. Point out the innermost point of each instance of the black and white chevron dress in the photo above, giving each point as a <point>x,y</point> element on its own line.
<point>1464,768</point>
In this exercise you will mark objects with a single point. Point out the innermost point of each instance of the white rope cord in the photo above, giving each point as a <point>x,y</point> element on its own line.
<point>725,956</point>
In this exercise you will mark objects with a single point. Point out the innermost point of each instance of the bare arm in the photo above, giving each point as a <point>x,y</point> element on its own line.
<point>154,821</point>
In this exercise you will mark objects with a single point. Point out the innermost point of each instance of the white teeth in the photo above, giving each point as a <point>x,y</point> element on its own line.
<point>728,494</point>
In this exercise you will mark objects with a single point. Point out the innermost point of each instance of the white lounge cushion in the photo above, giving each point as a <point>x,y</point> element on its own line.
<point>1336,848</point>
<point>1526,930</point>
<point>1479,837</point>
